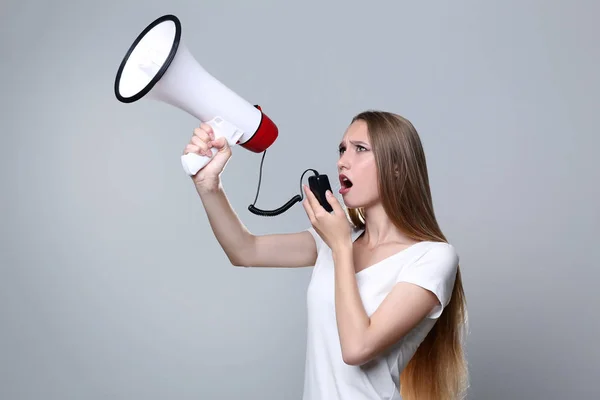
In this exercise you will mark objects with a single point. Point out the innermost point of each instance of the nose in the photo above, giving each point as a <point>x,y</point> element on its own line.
<point>342,162</point>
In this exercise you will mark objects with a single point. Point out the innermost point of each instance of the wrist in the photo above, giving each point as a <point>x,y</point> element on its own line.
<point>206,186</point>
<point>342,249</point>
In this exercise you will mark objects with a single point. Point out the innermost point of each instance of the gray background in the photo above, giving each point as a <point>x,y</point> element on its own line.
<point>112,284</point>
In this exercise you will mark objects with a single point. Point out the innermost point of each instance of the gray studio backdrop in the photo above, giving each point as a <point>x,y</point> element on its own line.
<point>112,285</point>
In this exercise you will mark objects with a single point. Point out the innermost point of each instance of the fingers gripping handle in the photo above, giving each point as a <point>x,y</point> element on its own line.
<point>192,162</point>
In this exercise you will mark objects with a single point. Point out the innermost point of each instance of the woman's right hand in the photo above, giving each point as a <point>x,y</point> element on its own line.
<point>201,143</point>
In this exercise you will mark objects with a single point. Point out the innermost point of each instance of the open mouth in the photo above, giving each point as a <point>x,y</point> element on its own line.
<point>345,182</point>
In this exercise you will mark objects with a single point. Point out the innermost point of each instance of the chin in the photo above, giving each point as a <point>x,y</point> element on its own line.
<point>351,202</point>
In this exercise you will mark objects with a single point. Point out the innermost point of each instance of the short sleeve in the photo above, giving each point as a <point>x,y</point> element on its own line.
<point>435,271</point>
<point>318,240</point>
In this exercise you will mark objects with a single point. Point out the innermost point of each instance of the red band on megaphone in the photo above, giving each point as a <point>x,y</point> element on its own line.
<point>265,135</point>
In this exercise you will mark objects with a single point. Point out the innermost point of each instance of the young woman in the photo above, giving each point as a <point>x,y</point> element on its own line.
<point>386,307</point>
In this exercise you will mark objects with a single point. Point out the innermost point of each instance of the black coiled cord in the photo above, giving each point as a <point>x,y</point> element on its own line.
<point>283,208</point>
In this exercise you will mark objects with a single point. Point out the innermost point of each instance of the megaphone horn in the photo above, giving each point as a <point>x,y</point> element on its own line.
<point>159,66</point>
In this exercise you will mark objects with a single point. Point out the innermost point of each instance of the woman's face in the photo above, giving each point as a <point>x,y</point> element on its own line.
<point>357,164</point>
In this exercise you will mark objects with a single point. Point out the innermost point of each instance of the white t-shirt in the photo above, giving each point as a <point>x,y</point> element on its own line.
<point>432,265</point>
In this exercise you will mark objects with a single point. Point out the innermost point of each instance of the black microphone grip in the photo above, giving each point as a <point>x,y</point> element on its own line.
<point>319,184</point>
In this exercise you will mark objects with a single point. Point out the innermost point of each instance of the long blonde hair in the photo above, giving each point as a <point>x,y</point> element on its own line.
<point>438,370</point>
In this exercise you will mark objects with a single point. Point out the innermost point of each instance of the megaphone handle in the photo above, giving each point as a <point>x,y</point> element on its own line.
<point>192,162</point>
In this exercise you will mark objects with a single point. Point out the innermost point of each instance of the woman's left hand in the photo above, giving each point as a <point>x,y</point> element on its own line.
<point>334,228</point>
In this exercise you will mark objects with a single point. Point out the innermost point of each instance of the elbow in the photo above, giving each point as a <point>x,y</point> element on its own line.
<point>241,257</point>
<point>244,254</point>
<point>355,357</point>
<point>236,262</point>
<point>234,259</point>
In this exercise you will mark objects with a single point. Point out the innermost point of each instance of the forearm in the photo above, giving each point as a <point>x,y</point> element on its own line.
<point>230,232</point>
<point>352,319</point>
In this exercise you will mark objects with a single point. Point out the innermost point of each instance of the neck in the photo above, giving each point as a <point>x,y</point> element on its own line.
<point>380,230</point>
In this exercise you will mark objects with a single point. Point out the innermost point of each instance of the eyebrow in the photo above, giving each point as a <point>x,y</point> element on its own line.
<point>355,142</point>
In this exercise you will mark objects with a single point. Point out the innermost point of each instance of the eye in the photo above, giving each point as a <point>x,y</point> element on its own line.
<point>359,148</point>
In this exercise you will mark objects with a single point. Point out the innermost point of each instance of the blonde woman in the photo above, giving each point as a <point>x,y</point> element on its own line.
<point>386,307</point>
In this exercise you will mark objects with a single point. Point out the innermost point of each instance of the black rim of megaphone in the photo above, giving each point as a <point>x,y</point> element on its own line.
<point>161,71</point>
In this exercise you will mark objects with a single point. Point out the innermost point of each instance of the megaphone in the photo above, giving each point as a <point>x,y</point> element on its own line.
<point>158,65</point>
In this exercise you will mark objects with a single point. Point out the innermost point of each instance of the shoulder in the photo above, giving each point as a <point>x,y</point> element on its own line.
<point>434,262</point>
<point>439,252</point>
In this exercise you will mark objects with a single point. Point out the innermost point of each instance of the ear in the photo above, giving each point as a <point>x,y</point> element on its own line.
<point>396,171</point>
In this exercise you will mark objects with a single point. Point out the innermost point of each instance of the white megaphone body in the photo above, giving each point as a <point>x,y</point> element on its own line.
<point>159,66</point>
